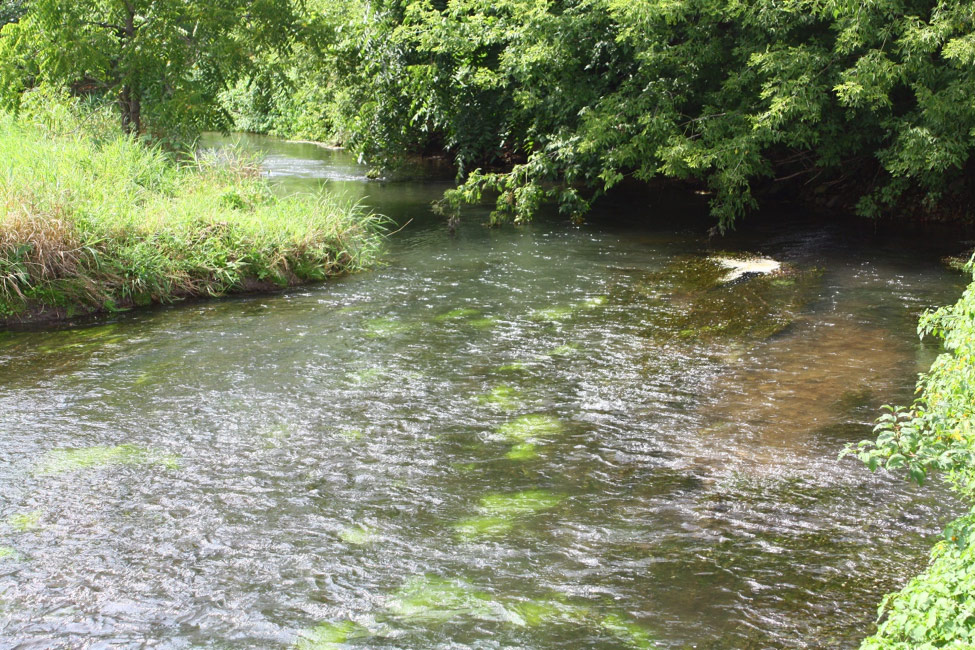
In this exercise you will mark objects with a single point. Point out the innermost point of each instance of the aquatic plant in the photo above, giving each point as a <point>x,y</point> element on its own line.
<point>519,503</point>
<point>503,396</point>
<point>61,461</point>
<point>458,314</point>
<point>7,553</point>
<point>331,636</point>
<point>358,535</point>
<point>481,323</point>
<point>522,451</point>
<point>530,428</point>
<point>500,512</point>
<point>690,299</point>
<point>23,522</point>
<point>553,314</point>
<point>473,528</point>
<point>565,350</point>
<point>434,599</point>
<point>386,327</point>
<point>631,634</point>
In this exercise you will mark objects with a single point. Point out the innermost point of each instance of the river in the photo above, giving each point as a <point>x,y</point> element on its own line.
<point>545,436</point>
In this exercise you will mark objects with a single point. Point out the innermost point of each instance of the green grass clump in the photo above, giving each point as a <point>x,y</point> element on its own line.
<point>93,220</point>
<point>62,461</point>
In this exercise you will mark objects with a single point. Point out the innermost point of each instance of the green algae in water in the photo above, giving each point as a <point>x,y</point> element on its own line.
<point>61,461</point>
<point>7,553</point>
<point>517,366</point>
<point>520,503</point>
<point>457,314</point>
<point>358,535</point>
<point>564,350</point>
<point>480,527</point>
<point>552,313</point>
<point>530,427</point>
<point>503,396</point>
<point>628,632</point>
<point>351,435</point>
<point>24,522</point>
<point>595,301</point>
<point>436,600</point>
<point>522,451</point>
<point>534,613</point>
<point>386,327</point>
<point>482,323</point>
<point>692,302</point>
<point>331,636</point>
<point>367,376</point>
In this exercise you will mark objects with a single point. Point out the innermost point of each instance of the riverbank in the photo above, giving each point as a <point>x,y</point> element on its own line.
<point>94,221</point>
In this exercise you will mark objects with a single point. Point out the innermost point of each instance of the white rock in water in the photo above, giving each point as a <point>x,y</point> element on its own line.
<point>739,267</point>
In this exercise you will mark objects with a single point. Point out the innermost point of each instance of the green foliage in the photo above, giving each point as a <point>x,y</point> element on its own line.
<point>935,434</point>
<point>561,100</point>
<point>90,220</point>
<point>937,608</point>
<point>163,62</point>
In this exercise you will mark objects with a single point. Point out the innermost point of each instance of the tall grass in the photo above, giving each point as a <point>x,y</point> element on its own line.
<point>91,220</point>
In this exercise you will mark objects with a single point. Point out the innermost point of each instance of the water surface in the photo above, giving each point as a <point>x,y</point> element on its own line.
<point>548,436</point>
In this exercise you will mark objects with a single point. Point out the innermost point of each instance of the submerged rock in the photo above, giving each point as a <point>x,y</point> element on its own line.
<point>701,298</point>
<point>739,267</point>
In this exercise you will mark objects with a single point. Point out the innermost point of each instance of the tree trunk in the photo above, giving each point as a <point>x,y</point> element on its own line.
<point>129,98</point>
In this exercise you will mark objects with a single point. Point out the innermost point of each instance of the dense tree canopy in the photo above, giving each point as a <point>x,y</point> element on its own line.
<point>564,98</point>
<point>861,104</point>
<point>165,60</point>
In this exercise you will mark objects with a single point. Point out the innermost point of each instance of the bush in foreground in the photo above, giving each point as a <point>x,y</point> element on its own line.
<point>92,220</point>
<point>937,433</point>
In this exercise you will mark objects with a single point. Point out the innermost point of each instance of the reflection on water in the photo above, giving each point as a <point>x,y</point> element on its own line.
<point>502,439</point>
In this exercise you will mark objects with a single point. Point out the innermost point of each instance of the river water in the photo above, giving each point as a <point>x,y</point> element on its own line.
<point>546,436</point>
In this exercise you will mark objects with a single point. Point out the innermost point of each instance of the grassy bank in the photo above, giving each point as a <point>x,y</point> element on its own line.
<point>936,434</point>
<point>92,220</point>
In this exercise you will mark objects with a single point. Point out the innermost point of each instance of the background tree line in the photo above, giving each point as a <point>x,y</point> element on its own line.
<point>865,104</point>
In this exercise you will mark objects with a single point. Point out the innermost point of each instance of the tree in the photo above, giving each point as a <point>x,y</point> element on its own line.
<point>562,99</point>
<point>162,61</point>
<point>11,11</point>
